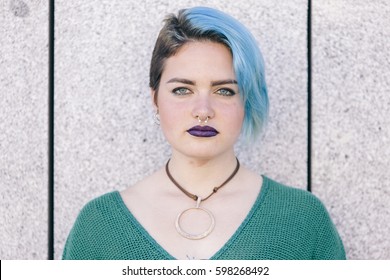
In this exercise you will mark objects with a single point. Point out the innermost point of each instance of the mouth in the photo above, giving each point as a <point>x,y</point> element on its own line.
<point>203,131</point>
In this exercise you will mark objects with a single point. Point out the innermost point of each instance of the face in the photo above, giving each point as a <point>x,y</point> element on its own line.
<point>198,83</point>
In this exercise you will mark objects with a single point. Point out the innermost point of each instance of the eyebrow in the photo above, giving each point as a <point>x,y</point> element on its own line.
<point>183,81</point>
<point>213,83</point>
<point>223,82</point>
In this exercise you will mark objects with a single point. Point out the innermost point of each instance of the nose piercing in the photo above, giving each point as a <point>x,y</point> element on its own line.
<point>205,121</point>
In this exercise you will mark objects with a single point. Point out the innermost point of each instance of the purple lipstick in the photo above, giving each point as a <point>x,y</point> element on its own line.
<point>202,131</point>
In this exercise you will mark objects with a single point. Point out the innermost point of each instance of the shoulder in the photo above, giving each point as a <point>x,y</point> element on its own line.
<point>291,196</point>
<point>98,215</point>
<point>294,204</point>
<point>302,212</point>
<point>101,205</point>
<point>93,227</point>
<point>98,211</point>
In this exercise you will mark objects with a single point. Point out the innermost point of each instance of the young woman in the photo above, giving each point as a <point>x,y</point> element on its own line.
<point>208,88</point>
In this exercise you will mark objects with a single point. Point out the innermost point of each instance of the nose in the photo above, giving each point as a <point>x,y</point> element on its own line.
<point>203,108</point>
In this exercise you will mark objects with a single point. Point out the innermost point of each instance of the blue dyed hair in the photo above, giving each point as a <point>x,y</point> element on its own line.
<point>208,24</point>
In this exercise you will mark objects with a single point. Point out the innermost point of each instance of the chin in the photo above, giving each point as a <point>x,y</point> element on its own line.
<point>202,148</point>
<point>204,153</point>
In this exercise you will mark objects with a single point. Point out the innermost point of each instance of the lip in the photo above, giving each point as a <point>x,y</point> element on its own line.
<point>203,131</point>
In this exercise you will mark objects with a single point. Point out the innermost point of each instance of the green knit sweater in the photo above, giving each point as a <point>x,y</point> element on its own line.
<point>284,223</point>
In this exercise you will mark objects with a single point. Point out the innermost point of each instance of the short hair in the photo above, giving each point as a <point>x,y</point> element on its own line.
<point>208,24</point>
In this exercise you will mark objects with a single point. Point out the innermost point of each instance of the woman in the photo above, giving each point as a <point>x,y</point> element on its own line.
<point>208,88</point>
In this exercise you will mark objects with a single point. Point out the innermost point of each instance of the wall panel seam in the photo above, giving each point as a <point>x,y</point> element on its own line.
<point>51,131</point>
<point>309,96</point>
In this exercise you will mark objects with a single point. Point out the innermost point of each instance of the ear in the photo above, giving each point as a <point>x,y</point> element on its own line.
<point>153,95</point>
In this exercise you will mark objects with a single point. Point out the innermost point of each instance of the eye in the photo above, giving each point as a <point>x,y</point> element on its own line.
<point>225,92</point>
<point>181,91</point>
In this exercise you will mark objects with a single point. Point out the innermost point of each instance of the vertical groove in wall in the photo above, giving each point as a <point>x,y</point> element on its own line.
<point>309,95</point>
<point>51,134</point>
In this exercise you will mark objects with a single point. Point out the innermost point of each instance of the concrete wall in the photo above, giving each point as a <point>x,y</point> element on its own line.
<point>105,137</point>
<point>23,129</point>
<point>351,124</point>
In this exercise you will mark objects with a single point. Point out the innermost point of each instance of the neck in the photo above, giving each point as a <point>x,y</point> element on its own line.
<point>201,176</point>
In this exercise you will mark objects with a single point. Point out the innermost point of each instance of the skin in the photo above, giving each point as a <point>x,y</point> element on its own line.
<point>198,80</point>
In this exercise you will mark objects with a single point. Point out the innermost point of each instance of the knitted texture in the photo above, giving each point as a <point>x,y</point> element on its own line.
<point>284,224</point>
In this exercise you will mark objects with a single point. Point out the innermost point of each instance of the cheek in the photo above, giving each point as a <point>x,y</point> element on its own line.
<point>170,116</point>
<point>237,113</point>
<point>240,111</point>
<point>239,122</point>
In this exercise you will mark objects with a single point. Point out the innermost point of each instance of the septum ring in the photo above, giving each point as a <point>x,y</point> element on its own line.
<point>205,121</point>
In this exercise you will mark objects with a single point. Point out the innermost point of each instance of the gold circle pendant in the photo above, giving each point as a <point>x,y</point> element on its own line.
<point>195,236</point>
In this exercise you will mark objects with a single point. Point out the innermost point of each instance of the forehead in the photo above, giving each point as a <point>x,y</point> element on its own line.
<point>200,59</point>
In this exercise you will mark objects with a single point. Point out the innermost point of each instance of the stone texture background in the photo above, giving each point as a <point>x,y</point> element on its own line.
<point>105,137</point>
<point>351,124</point>
<point>23,129</point>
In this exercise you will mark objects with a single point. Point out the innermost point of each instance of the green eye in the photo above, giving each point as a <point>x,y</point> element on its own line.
<point>225,92</point>
<point>181,91</point>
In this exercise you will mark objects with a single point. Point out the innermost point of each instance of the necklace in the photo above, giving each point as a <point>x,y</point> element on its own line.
<point>198,200</point>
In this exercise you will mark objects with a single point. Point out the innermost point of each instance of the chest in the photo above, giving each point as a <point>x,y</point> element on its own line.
<point>181,227</point>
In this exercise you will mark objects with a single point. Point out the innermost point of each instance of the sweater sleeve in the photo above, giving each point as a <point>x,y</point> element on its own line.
<point>329,245</point>
<point>311,223</point>
<point>83,240</point>
<point>77,244</point>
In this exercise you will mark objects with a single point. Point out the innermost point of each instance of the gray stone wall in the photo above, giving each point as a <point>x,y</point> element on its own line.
<point>106,139</point>
<point>351,124</point>
<point>23,129</point>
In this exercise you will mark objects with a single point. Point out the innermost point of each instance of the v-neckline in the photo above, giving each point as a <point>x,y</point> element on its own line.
<point>260,197</point>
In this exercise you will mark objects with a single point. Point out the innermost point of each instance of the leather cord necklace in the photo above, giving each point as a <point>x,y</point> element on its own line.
<point>198,200</point>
